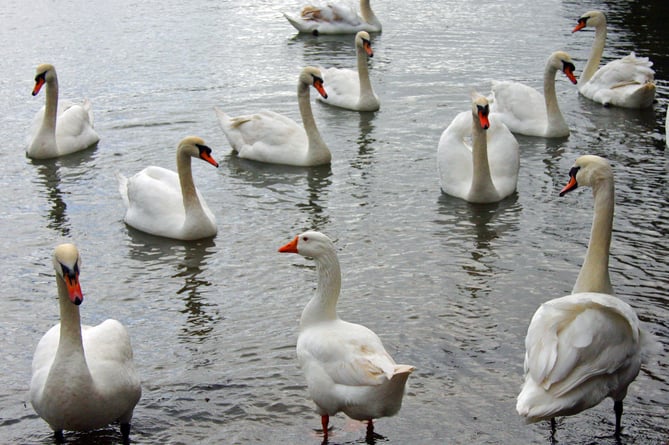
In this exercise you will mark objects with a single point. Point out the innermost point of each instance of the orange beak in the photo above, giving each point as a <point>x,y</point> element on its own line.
<point>571,185</point>
<point>74,289</point>
<point>368,48</point>
<point>580,26</point>
<point>291,247</point>
<point>39,82</point>
<point>570,74</point>
<point>207,157</point>
<point>483,118</point>
<point>318,84</point>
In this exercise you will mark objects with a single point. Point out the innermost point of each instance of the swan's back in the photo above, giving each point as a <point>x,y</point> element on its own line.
<point>521,107</point>
<point>454,156</point>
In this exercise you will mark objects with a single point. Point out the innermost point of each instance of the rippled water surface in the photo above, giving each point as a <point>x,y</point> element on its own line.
<point>449,287</point>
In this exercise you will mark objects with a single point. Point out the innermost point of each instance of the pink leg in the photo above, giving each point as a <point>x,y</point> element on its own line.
<point>325,420</point>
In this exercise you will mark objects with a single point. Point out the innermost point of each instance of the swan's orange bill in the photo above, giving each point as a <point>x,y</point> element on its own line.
<point>569,72</point>
<point>571,185</point>
<point>368,48</point>
<point>207,157</point>
<point>39,82</point>
<point>318,84</point>
<point>580,26</point>
<point>74,290</point>
<point>291,247</point>
<point>483,118</point>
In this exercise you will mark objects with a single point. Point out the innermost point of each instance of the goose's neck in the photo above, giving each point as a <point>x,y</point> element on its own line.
<point>323,305</point>
<point>188,191</point>
<point>366,91</point>
<point>555,120</point>
<point>482,185</point>
<point>70,353</point>
<point>317,148</point>
<point>367,13</point>
<point>595,54</point>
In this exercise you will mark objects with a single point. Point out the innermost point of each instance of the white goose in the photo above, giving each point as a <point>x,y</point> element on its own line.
<point>273,138</point>
<point>526,111</point>
<point>335,19</point>
<point>83,377</point>
<point>485,171</point>
<point>345,364</point>
<point>59,129</point>
<point>627,82</point>
<point>589,345</point>
<point>164,203</point>
<point>352,89</point>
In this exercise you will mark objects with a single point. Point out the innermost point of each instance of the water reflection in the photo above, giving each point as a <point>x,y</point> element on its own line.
<point>49,177</point>
<point>326,50</point>
<point>365,142</point>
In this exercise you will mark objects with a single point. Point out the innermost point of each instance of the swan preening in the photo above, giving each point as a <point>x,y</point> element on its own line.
<point>273,138</point>
<point>83,377</point>
<point>59,128</point>
<point>345,364</point>
<point>627,82</point>
<point>485,171</point>
<point>526,111</point>
<point>587,346</point>
<point>335,19</point>
<point>164,203</point>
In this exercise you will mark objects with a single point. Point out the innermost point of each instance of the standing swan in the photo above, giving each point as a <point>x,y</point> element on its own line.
<point>627,82</point>
<point>589,345</point>
<point>335,19</point>
<point>273,138</point>
<point>345,364</point>
<point>525,111</point>
<point>486,171</point>
<point>83,377</point>
<point>352,89</point>
<point>164,203</point>
<point>58,132</point>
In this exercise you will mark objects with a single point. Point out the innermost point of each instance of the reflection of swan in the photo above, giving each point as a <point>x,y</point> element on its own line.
<point>586,346</point>
<point>59,128</point>
<point>271,137</point>
<point>83,376</point>
<point>486,171</point>
<point>626,82</point>
<point>352,89</point>
<point>335,19</point>
<point>526,111</point>
<point>164,203</point>
<point>346,366</point>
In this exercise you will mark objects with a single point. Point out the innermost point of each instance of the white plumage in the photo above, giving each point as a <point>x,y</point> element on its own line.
<point>332,18</point>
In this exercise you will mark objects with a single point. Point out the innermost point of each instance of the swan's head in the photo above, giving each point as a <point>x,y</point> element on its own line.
<point>195,147</point>
<point>588,170</point>
<point>362,40</point>
<point>45,73</point>
<point>560,60</point>
<point>66,262</point>
<point>312,76</point>
<point>309,244</point>
<point>590,19</point>
<point>481,109</point>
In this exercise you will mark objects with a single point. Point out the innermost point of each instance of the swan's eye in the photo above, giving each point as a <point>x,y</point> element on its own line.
<point>40,76</point>
<point>305,238</point>
<point>483,109</point>
<point>568,66</point>
<point>203,149</point>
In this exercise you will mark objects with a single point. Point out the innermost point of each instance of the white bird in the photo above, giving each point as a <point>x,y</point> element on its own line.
<point>164,203</point>
<point>352,89</point>
<point>59,128</point>
<point>526,111</point>
<point>273,138</point>
<point>485,171</point>
<point>587,346</point>
<point>335,19</point>
<point>83,377</point>
<point>628,82</point>
<point>345,364</point>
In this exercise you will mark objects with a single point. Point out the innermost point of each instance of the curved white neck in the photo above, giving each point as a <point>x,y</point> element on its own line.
<point>482,185</point>
<point>317,148</point>
<point>48,127</point>
<point>70,356</point>
<point>596,51</point>
<point>553,114</point>
<point>367,13</point>
<point>366,90</point>
<point>323,305</point>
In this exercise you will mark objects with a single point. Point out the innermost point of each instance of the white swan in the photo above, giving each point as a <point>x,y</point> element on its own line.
<point>273,138</point>
<point>164,203</point>
<point>485,171</point>
<point>587,346</point>
<point>526,111</point>
<point>345,364</point>
<point>83,377</point>
<point>61,128</point>
<point>335,19</point>
<point>352,89</point>
<point>628,82</point>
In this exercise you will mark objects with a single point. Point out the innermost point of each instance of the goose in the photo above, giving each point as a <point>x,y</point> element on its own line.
<point>627,82</point>
<point>83,377</point>
<point>164,203</point>
<point>335,19</point>
<point>345,364</point>
<point>587,346</point>
<point>526,111</point>
<point>485,171</point>
<point>59,129</point>
<point>352,89</point>
<point>273,138</point>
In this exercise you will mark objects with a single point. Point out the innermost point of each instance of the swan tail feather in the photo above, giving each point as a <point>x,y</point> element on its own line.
<point>123,188</point>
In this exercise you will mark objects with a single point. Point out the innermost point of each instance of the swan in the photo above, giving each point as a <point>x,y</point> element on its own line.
<point>627,82</point>
<point>345,364</point>
<point>525,111</point>
<point>587,346</point>
<point>83,377</point>
<point>335,19</point>
<point>352,89</point>
<point>273,138</point>
<point>485,171</point>
<point>164,203</point>
<point>59,129</point>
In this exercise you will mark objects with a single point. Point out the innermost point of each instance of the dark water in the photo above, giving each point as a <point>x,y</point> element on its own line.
<point>450,287</point>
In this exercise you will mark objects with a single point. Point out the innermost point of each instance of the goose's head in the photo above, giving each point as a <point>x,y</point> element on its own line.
<point>66,263</point>
<point>45,73</point>
<point>481,109</point>
<point>195,147</point>
<point>590,19</point>
<point>311,76</point>
<point>588,170</point>
<point>309,244</point>
<point>560,60</point>
<point>362,40</point>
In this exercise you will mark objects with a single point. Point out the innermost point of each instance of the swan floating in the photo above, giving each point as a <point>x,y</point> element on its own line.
<point>83,377</point>
<point>164,203</point>
<point>587,346</point>
<point>335,19</point>
<point>345,364</point>
<point>526,111</point>
<point>485,171</point>
<point>628,82</point>
<point>273,138</point>
<point>59,128</point>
